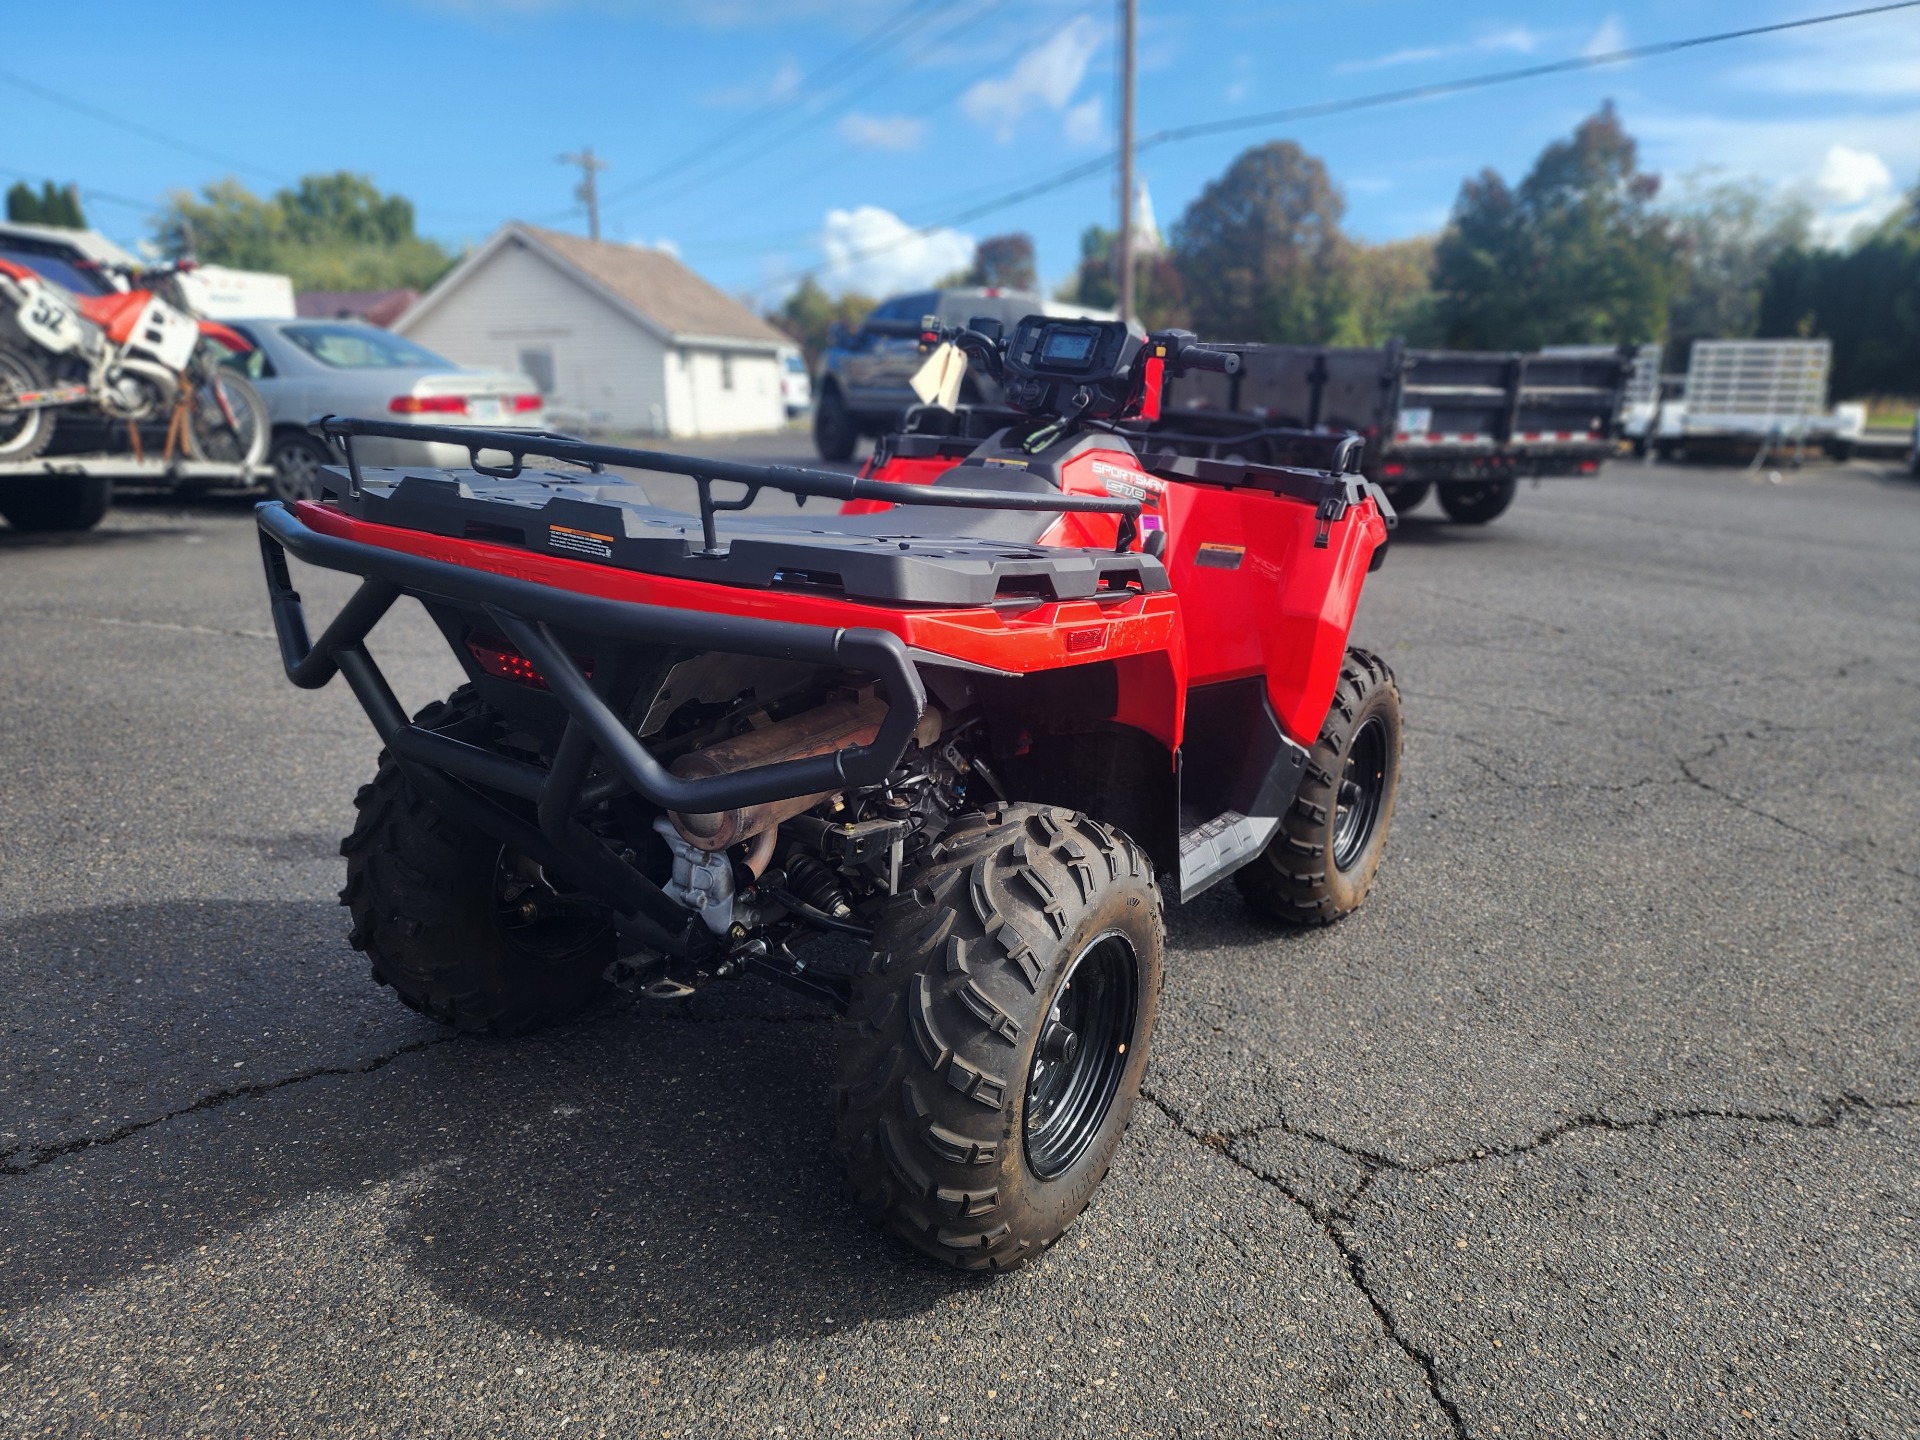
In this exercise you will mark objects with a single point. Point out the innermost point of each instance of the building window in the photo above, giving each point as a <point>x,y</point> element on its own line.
<point>726,372</point>
<point>537,364</point>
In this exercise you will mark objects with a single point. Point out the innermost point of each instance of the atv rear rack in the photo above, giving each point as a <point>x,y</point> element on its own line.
<point>454,774</point>
<point>795,480</point>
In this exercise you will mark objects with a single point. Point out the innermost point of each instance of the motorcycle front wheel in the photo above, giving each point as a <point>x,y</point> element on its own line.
<point>23,433</point>
<point>226,418</point>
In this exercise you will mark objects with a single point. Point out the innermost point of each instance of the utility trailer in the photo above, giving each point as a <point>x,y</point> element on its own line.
<point>1764,395</point>
<point>1472,423</point>
<point>72,492</point>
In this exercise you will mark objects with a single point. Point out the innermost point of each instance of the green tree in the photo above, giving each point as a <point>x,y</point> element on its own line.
<point>809,312</point>
<point>1260,252</point>
<point>1575,254</point>
<point>1391,290</point>
<point>1733,231</point>
<point>54,205</point>
<point>1159,295</point>
<point>331,232</point>
<point>1865,299</point>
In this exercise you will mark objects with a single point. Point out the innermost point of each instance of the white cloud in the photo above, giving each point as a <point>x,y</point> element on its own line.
<point>875,252</point>
<point>1086,122</point>
<point>1044,78</point>
<point>1852,177</point>
<point>882,132</point>
<point>1611,36</point>
<point>1516,40</point>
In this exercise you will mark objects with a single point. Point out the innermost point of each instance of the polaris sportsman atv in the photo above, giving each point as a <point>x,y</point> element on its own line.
<point>973,733</point>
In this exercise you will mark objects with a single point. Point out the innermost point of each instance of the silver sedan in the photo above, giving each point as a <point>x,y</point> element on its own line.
<point>304,368</point>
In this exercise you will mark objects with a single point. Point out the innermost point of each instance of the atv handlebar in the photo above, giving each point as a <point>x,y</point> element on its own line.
<point>1195,356</point>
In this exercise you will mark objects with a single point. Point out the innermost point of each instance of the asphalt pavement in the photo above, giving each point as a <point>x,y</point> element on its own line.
<point>1602,1118</point>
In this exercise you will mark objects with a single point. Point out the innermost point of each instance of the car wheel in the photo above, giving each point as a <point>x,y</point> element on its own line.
<point>834,431</point>
<point>296,459</point>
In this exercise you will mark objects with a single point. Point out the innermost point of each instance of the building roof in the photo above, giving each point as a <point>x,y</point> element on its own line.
<point>376,307</point>
<point>652,284</point>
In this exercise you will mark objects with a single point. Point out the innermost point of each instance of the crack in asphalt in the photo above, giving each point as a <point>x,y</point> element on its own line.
<point>22,1160</point>
<point>1718,742</point>
<point>1351,1260</point>
<point>1373,1164</point>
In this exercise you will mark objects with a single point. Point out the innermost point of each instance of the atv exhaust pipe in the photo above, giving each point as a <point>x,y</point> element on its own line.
<point>819,731</point>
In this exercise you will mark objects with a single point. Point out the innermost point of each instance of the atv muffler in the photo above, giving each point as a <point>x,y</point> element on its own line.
<point>820,731</point>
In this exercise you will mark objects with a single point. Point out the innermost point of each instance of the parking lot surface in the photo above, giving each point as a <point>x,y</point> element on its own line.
<point>1599,1119</point>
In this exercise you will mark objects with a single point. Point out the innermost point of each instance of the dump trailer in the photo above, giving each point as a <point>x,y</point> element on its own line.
<point>1470,423</point>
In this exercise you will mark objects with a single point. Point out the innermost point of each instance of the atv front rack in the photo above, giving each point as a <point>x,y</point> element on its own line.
<point>794,479</point>
<point>457,776</point>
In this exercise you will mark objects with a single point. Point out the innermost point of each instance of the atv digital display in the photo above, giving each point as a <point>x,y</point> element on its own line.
<point>1067,347</point>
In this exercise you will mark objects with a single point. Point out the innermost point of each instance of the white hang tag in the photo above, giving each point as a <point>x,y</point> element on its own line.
<point>938,381</point>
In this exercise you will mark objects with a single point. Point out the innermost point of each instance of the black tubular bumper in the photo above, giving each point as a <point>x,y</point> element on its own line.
<point>525,613</point>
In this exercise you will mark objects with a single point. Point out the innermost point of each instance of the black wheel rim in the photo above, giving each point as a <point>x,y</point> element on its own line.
<point>1080,1055</point>
<point>545,924</point>
<point>1363,788</point>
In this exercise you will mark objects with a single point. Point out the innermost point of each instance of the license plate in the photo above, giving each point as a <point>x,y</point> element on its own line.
<point>484,408</point>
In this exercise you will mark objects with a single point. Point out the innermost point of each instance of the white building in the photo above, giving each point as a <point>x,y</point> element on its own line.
<point>618,337</point>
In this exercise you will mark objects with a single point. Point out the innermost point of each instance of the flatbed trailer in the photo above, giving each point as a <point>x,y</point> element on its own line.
<point>72,492</point>
<point>1473,423</point>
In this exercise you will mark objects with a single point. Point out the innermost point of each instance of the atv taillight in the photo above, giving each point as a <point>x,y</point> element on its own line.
<point>524,403</point>
<point>497,658</point>
<point>428,405</point>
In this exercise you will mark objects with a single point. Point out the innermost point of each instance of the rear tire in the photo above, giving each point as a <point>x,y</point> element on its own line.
<point>430,896</point>
<point>1320,863</point>
<point>1405,495</point>
<point>209,437</point>
<point>834,432</point>
<point>296,458</point>
<point>24,434</point>
<point>1476,502</point>
<point>998,1035</point>
<point>57,502</point>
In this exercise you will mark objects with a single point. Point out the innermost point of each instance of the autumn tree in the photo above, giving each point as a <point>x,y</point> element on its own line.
<point>1260,252</point>
<point>1574,254</point>
<point>1159,295</point>
<point>1732,232</point>
<point>1390,292</point>
<point>1005,261</point>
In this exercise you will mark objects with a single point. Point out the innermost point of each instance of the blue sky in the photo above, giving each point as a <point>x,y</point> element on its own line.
<point>742,134</point>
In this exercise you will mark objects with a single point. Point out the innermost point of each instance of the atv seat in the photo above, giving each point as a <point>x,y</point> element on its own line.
<point>910,555</point>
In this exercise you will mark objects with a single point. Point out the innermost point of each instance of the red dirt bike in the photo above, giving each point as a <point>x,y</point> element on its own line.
<point>931,765</point>
<point>136,357</point>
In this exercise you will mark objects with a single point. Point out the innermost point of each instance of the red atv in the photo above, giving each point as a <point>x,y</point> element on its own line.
<point>930,765</point>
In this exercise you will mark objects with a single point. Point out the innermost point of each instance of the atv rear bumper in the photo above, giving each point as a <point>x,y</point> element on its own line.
<point>469,781</point>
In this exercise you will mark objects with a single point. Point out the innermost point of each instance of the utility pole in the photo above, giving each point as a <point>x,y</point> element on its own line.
<point>1127,8</point>
<point>588,191</point>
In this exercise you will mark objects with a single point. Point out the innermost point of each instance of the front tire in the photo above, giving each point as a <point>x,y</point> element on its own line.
<point>835,434</point>
<point>440,909</point>
<point>55,503</point>
<point>998,1035</point>
<point>1477,502</point>
<point>1320,863</point>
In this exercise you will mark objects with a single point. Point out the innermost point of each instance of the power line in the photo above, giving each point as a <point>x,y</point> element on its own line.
<point>1319,110</point>
<point>910,16</point>
<point>134,127</point>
